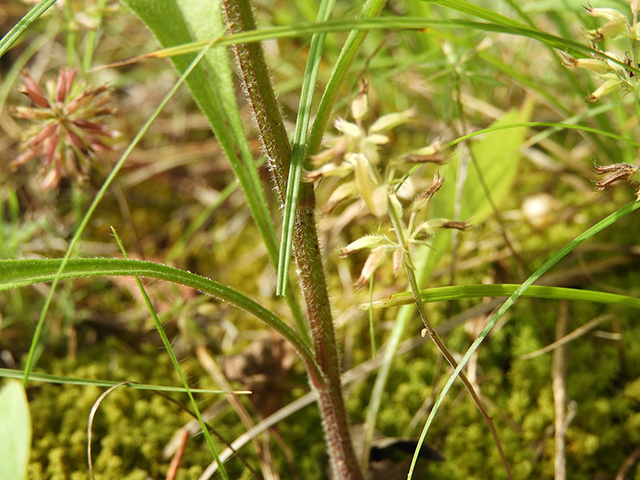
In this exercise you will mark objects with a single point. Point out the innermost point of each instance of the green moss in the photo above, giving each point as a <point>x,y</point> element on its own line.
<point>130,427</point>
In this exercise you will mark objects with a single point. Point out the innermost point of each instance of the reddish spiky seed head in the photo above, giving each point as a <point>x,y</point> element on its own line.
<point>67,127</point>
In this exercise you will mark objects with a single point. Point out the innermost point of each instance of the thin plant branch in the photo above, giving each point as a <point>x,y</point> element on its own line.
<point>562,341</point>
<point>413,284</point>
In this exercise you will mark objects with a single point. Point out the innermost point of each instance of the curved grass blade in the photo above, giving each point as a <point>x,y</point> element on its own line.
<point>85,220</point>
<point>441,294</point>
<point>176,365</point>
<point>20,273</point>
<point>25,22</point>
<point>299,147</point>
<point>598,227</point>
<point>555,125</point>
<point>480,12</point>
<point>361,25</point>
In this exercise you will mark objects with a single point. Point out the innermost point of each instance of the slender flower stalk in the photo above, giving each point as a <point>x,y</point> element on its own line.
<point>428,329</point>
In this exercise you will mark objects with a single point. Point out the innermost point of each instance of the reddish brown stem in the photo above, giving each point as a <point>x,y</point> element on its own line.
<point>258,87</point>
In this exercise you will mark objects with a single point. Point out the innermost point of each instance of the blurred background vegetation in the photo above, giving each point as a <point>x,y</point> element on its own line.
<point>175,202</point>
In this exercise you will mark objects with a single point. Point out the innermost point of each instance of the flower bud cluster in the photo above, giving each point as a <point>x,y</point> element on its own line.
<point>608,66</point>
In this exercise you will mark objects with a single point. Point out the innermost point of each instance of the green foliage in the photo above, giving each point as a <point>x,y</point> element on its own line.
<point>130,428</point>
<point>495,157</point>
<point>455,72</point>
<point>15,424</point>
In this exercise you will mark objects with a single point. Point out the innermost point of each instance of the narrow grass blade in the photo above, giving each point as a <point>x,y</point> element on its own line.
<point>455,292</point>
<point>176,365</point>
<point>359,28</point>
<point>516,27</point>
<point>92,382</point>
<point>608,221</point>
<point>370,9</point>
<point>299,147</point>
<point>471,9</point>
<point>556,125</point>
<point>25,22</point>
<point>83,224</point>
<point>20,273</point>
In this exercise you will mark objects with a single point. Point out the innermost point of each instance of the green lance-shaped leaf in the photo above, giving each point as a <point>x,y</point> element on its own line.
<point>25,22</point>
<point>20,273</point>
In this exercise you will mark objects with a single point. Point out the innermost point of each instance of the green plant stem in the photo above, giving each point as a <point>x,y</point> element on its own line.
<point>306,249</point>
<point>447,355</point>
<point>413,284</point>
<point>69,34</point>
<point>273,134</point>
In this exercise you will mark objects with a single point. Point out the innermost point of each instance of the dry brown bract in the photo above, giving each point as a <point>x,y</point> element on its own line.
<point>618,172</point>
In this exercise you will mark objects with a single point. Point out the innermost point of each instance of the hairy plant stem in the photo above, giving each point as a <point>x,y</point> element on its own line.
<point>274,138</point>
<point>413,285</point>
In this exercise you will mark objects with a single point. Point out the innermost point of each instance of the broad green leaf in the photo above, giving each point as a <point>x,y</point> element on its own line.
<point>497,156</point>
<point>15,431</point>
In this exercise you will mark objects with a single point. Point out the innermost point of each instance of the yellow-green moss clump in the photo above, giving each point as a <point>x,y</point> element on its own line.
<point>130,429</point>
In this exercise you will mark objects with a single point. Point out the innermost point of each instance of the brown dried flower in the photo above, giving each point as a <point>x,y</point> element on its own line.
<point>618,172</point>
<point>68,126</point>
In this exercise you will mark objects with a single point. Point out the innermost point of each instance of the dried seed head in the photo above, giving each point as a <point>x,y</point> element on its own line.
<point>422,200</point>
<point>67,126</point>
<point>438,158</point>
<point>34,92</point>
<point>618,172</point>
<point>373,261</point>
<point>451,224</point>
